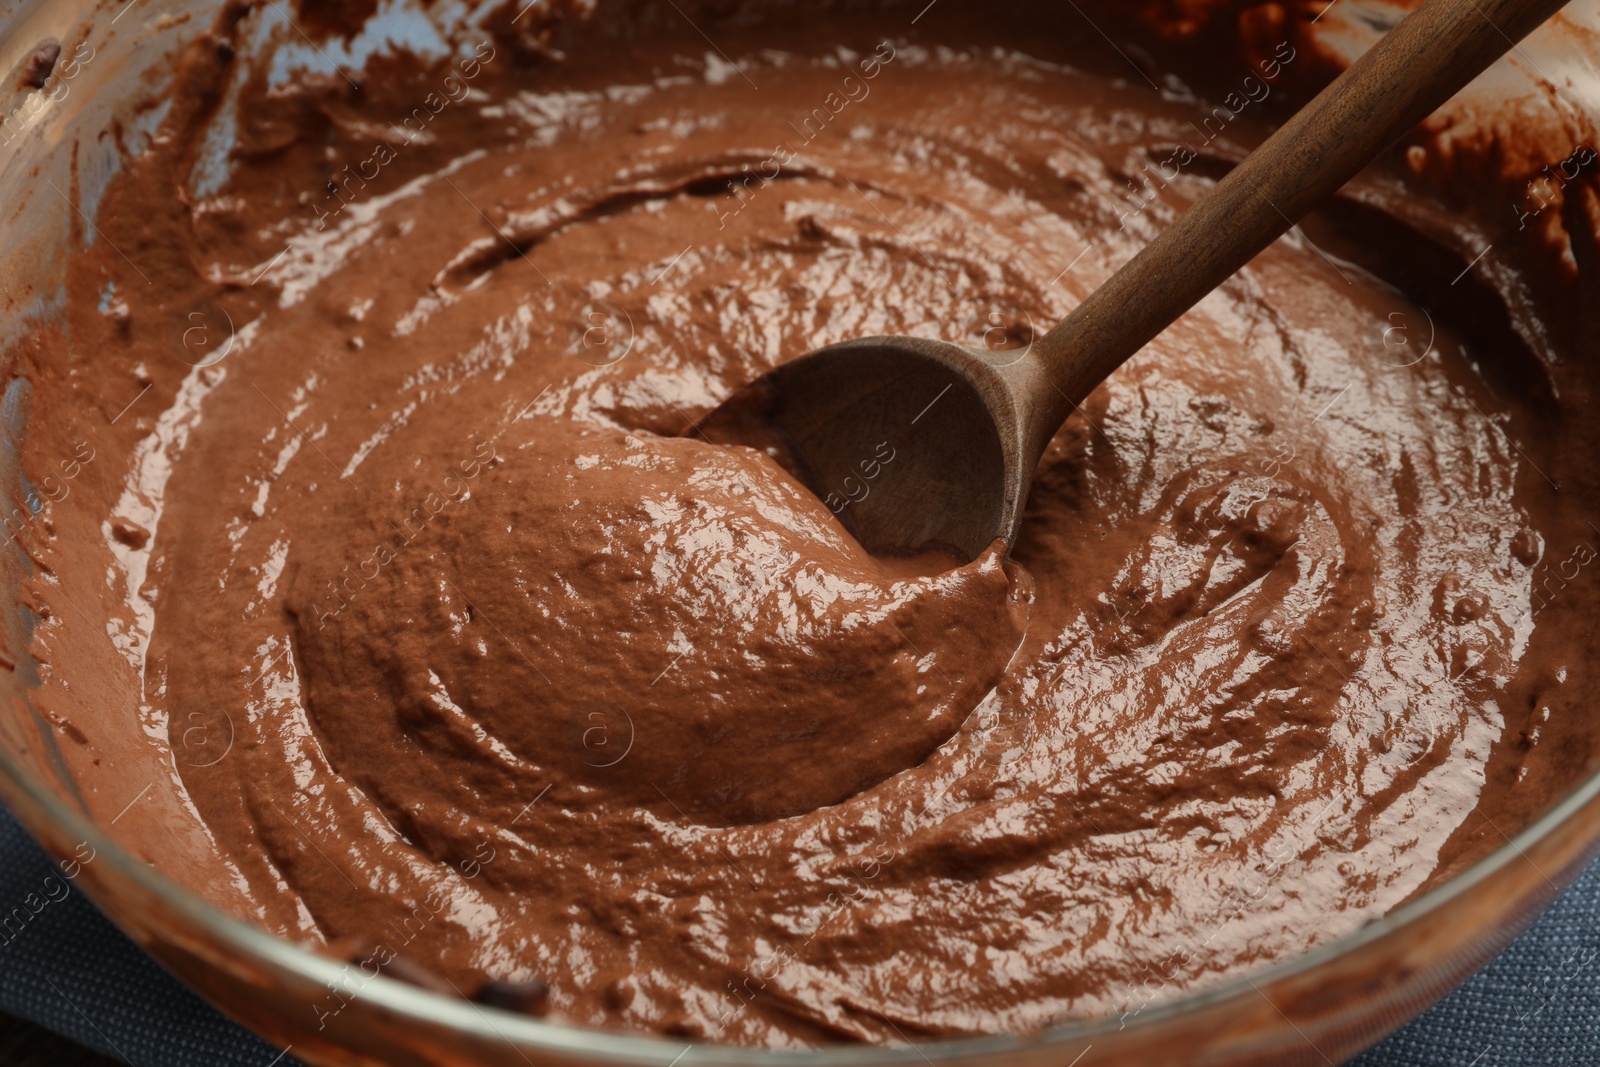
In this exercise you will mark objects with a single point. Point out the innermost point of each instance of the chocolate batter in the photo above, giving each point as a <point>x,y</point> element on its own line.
<point>468,659</point>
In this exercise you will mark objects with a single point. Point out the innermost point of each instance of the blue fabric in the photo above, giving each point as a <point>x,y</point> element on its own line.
<point>68,969</point>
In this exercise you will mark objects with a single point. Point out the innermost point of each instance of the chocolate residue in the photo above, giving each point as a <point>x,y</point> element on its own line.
<point>333,18</point>
<point>531,997</point>
<point>36,69</point>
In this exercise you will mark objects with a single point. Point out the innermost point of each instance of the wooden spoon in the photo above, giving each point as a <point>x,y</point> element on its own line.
<point>919,444</point>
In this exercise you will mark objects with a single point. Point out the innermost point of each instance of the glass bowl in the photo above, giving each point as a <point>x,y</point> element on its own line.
<point>1320,1007</point>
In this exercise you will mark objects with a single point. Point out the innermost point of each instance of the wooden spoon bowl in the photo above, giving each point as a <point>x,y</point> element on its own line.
<point>905,438</point>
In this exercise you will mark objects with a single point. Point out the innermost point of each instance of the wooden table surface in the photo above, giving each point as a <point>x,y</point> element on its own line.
<point>25,1045</point>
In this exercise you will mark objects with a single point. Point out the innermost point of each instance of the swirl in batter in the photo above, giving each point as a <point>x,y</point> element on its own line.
<point>524,685</point>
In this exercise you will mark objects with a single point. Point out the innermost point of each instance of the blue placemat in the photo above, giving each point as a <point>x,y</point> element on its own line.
<point>64,966</point>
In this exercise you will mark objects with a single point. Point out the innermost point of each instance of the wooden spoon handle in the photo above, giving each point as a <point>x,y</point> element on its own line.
<point>1412,70</point>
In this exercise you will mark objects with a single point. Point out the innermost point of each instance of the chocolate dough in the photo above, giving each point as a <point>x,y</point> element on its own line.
<point>521,685</point>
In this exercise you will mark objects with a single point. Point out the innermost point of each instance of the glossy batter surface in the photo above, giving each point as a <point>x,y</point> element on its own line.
<point>521,684</point>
